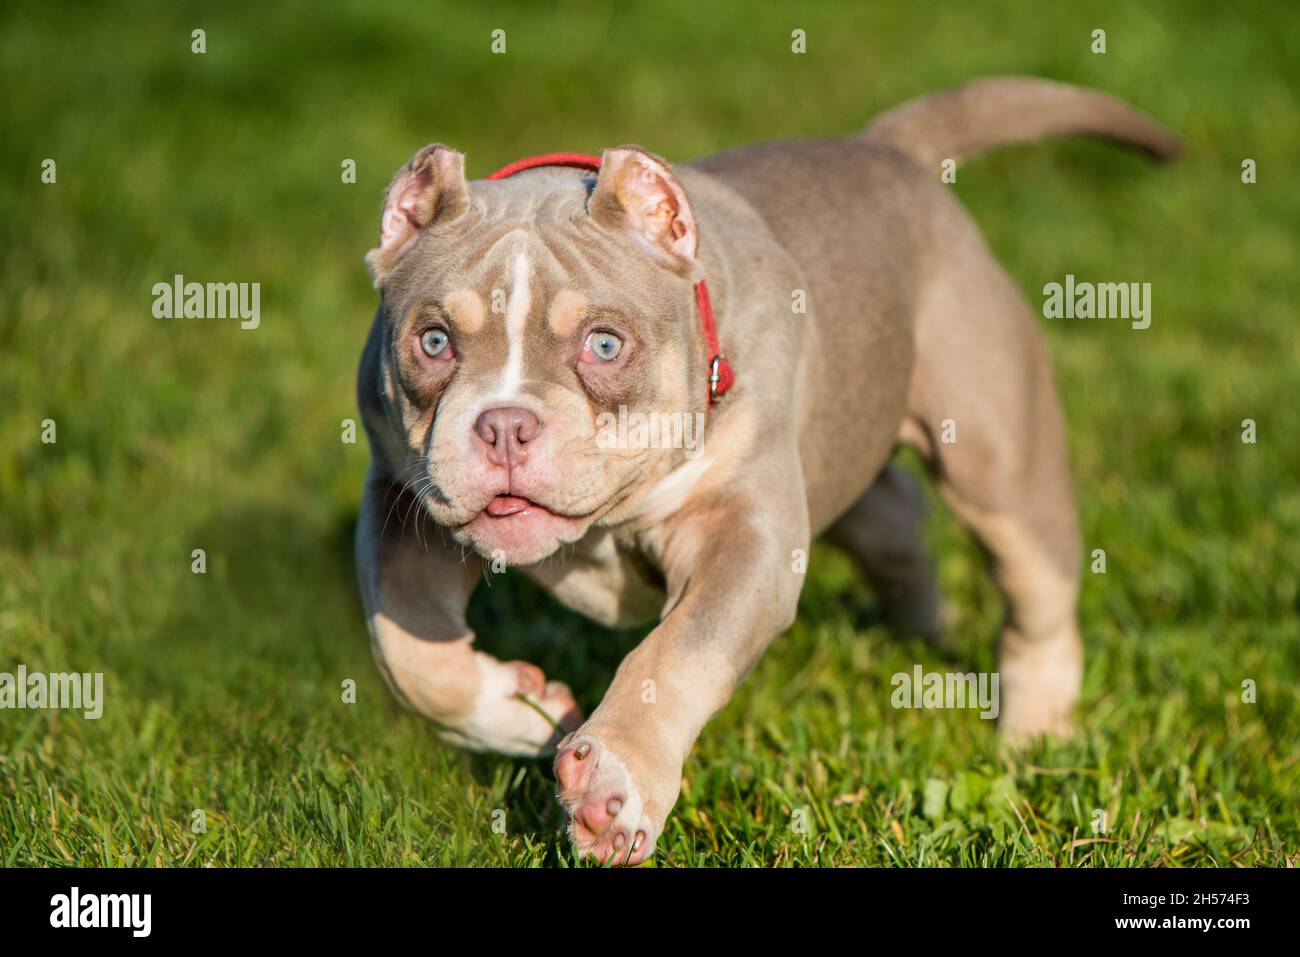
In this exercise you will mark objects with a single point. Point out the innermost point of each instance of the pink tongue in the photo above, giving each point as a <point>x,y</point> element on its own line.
<point>507,505</point>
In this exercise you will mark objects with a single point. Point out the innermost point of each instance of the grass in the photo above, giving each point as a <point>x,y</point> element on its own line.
<point>223,690</point>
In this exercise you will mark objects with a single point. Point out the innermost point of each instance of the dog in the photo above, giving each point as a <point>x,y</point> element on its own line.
<point>816,304</point>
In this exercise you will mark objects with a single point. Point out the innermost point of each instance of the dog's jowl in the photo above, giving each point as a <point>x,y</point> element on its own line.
<point>522,314</point>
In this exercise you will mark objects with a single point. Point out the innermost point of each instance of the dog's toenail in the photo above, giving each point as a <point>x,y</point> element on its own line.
<point>582,752</point>
<point>614,806</point>
<point>640,839</point>
<point>619,840</point>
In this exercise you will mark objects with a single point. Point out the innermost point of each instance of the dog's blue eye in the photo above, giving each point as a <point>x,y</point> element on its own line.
<point>605,345</point>
<point>433,342</point>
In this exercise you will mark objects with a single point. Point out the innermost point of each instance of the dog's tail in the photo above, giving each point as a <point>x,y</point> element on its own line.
<point>962,121</point>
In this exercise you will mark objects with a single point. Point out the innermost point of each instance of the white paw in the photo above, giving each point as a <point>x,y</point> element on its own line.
<point>608,816</point>
<point>516,711</point>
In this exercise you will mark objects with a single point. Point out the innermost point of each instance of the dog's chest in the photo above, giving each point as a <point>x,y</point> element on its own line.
<point>607,583</point>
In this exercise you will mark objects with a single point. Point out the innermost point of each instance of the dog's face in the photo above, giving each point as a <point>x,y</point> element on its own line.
<point>522,317</point>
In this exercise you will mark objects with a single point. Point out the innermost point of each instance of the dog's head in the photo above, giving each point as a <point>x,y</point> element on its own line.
<point>526,322</point>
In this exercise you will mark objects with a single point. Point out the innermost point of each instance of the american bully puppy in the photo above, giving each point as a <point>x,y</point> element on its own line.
<point>857,309</point>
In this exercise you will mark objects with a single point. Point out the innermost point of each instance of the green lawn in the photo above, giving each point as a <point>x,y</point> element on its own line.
<point>223,690</point>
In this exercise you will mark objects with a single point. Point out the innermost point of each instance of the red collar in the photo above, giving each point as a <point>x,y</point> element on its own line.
<point>721,378</point>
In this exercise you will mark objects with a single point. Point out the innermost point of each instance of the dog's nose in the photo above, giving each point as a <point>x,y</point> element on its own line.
<point>506,433</point>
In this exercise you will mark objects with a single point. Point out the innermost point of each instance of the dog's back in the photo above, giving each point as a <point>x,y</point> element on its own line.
<point>893,265</point>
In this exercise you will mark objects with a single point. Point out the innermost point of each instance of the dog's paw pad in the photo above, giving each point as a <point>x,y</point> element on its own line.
<point>606,812</point>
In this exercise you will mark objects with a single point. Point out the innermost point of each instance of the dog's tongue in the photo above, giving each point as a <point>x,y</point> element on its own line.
<point>507,505</point>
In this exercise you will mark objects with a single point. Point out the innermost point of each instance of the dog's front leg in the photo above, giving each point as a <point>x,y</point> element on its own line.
<point>732,589</point>
<point>415,584</point>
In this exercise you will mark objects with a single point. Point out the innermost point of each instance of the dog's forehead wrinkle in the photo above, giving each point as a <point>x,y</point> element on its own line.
<point>492,261</point>
<point>544,216</point>
<point>512,240</point>
<point>540,197</point>
<point>567,249</point>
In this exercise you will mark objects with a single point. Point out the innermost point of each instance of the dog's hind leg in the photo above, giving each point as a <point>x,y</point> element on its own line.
<point>984,400</point>
<point>882,531</point>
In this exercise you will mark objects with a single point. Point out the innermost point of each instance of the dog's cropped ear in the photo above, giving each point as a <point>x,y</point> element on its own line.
<point>638,191</point>
<point>430,188</point>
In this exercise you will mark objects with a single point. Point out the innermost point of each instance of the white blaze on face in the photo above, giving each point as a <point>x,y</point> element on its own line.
<point>516,315</point>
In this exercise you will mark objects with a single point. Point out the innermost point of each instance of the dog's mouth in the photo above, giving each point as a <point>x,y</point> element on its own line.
<point>505,505</point>
<point>520,530</point>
